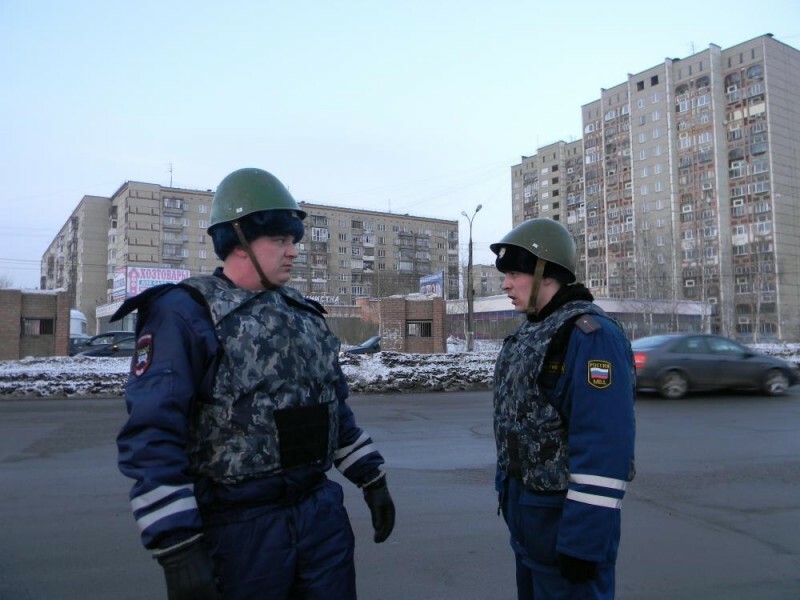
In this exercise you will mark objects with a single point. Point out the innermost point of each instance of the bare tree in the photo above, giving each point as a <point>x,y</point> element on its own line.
<point>6,282</point>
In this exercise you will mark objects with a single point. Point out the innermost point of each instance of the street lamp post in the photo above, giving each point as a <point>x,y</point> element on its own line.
<point>470,291</point>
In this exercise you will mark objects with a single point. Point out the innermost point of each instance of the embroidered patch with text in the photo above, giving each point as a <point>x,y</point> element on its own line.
<point>599,373</point>
<point>143,355</point>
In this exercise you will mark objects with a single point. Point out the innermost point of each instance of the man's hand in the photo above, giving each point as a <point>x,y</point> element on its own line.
<point>188,571</point>
<point>576,570</point>
<point>380,504</point>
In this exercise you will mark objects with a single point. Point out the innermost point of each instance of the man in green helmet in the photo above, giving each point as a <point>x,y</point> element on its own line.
<point>237,410</point>
<point>563,420</point>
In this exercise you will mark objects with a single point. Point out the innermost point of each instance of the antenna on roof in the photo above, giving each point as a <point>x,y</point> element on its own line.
<point>170,174</point>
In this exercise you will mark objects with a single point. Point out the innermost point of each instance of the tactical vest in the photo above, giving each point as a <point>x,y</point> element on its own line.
<point>274,394</point>
<point>530,433</point>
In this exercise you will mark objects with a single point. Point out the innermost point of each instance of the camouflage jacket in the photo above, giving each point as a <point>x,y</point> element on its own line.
<point>274,395</point>
<point>530,432</point>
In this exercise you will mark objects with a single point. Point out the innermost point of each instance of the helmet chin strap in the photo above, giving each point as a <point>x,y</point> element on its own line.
<point>268,285</point>
<point>538,273</point>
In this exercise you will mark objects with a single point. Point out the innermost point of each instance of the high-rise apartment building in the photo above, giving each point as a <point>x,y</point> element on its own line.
<point>147,230</point>
<point>75,259</point>
<point>691,187</point>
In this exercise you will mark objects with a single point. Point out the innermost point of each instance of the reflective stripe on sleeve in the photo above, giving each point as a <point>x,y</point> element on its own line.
<point>597,480</point>
<point>158,494</point>
<point>594,499</point>
<point>181,505</point>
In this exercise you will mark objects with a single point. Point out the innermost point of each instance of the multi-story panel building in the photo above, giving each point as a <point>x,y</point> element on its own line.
<point>486,280</point>
<point>692,181</point>
<point>75,259</point>
<point>551,184</point>
<point>350,253</point>
<point>345,254</point>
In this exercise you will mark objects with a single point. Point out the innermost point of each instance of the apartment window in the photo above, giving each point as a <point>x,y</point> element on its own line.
<point>203,254</point>
<point>419,328</point>
<point>38,326</point>
<point>654,81</point>
<point>319,234</point>
<point>639,86</point>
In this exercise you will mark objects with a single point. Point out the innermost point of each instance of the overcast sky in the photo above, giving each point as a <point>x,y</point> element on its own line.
<point>417,107</point>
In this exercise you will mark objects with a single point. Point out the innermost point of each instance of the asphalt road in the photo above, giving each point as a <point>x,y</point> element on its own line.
<point>714,512</point>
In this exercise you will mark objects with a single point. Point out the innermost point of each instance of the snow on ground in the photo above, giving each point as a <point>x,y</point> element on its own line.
<point>383,372</point>
<point>366,373</point>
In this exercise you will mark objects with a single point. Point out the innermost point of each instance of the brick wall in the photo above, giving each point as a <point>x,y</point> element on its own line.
<point>10,311</point>
<point>16,305</point>
<point>395,312</point>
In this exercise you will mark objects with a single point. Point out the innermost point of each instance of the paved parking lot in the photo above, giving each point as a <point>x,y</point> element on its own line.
<point>712,514</point>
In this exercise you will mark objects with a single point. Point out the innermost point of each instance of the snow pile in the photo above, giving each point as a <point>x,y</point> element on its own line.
<point>366,373</point>
<point>379,373</point>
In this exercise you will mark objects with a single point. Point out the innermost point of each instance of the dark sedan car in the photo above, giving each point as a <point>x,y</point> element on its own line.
<point>124,347</point>
<point>675,364</point>
<point>99,340</point>
<point>368,346</point>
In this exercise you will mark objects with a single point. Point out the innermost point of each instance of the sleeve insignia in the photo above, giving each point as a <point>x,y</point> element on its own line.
<point>143,355</point>
<point>599,374</point>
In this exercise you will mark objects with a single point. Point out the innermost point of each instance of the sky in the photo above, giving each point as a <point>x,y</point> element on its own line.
<point>414,107</point>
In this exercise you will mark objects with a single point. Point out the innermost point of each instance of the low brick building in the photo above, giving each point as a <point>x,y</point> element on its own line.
<point>414,324</point>
<point>33,323</point>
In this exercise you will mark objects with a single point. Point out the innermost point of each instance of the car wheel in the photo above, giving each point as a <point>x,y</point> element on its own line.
<point>776,382</point>
<point>673,385</point>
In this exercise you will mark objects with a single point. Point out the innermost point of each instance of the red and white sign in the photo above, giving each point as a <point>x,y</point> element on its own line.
<point>138,279</point>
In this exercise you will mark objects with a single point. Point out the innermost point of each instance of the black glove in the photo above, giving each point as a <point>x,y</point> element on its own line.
<point>381,507</point>
<point>576,570</point>
<point>188,570</point>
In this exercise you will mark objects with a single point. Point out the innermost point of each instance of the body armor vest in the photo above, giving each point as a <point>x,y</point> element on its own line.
<point>530,433</point>
<point>273,404</point>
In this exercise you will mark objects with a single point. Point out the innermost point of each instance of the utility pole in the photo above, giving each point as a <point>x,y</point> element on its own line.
<point>470,292</point>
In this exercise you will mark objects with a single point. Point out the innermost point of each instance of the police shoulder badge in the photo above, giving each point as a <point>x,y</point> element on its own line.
<point>599,374</point>
<point>143,355</point>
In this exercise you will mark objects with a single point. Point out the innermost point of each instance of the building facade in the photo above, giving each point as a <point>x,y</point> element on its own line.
<point>690,187</point>
<point>145,234</point>
<point>75,259</point>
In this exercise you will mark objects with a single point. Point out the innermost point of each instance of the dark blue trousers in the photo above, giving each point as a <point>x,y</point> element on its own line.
<point>302,550</point>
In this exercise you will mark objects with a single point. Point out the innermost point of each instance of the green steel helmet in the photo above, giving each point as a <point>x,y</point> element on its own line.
<point>248,191</point>
<point>543,238</point>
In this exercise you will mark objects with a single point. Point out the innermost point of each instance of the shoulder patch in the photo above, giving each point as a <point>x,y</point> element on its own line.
<point>588,324</point>
<point>598,373</point>
<point>143,355</point>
